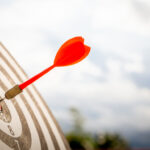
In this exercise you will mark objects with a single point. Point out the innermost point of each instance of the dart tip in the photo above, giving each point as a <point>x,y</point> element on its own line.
<point>1,99</point>
<point>1,108</point>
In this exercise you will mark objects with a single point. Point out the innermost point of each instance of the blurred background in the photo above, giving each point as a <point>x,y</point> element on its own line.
<point>104,101</point>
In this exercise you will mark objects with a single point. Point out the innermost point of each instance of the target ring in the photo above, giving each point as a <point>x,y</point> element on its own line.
<point>26,121</point>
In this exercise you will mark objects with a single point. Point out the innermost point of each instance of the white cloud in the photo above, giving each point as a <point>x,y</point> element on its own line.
<point>120,15</point>
<point>116,28</point>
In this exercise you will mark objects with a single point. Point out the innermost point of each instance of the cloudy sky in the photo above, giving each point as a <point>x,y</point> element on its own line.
<point>111,87</point>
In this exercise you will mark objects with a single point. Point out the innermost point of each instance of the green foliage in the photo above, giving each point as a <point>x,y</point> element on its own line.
<point>111,141</point>
<point>81,140</point>
<point>78,138</point>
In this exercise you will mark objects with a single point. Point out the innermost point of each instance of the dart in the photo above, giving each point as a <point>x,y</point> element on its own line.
<point>71,52</point>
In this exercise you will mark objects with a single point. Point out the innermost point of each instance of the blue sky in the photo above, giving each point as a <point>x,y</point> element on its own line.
<point>112,86</point>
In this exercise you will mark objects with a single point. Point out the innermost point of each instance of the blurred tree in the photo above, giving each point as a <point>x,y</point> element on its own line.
<point>79,139</point>
<point>111,142</point>
<point>78,120</point>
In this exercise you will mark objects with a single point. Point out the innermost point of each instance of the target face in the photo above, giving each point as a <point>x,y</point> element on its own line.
<point>26,121</point>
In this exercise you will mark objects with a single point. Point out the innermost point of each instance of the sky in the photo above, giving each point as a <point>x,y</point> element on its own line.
<point>111,87</point>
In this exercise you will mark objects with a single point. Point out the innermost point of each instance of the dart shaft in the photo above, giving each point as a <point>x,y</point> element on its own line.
<point>34,78</point>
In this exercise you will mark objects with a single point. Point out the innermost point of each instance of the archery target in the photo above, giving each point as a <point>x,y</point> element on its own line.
<point>26,121</point>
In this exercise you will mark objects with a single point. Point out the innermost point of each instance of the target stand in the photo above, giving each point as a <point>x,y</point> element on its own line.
<point>26,123</point>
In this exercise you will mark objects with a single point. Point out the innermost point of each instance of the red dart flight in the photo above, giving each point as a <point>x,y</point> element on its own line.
<point>71,52</point>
